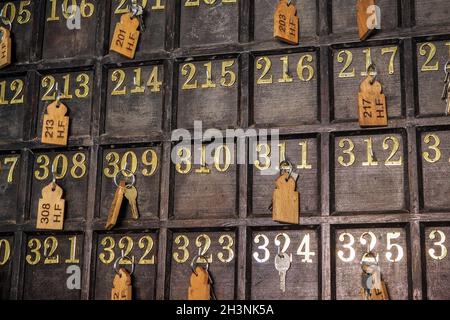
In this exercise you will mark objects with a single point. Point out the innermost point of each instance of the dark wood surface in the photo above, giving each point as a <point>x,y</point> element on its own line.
<point>409,199</point>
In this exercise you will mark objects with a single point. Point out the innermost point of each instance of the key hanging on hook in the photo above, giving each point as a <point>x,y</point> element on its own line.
<point>55,125</point>
<point>201,282</point>
<point>122,283</point>
<point>446,90</point>
<point>5,42</point>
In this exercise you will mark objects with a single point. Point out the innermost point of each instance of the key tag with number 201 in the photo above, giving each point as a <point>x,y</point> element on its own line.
<point>126,34</point>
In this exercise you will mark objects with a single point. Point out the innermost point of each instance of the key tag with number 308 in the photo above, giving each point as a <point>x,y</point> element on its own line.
<point>285,24</point>
<point>126,34</point>
<point>51,206</point>
<point>55,127</point>
<point>372,108</point>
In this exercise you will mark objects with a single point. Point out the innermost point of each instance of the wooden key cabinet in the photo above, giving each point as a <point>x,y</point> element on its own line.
<point>133,133</point>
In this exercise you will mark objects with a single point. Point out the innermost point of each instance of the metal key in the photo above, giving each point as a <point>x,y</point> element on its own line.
<point>131,195</point>
<point>282,264</point>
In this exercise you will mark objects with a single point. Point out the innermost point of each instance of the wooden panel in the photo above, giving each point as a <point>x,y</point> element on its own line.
<point>154,20</point>
<point>9,186</point>
<point>76,88</point>
<point>22,16</point>
<point>66,36</point>
<point>302,278</point>
<point>6,257</point>
<point>431,60</point>
<point>14,107</point>
<point>214,102</point>
<point>288,81</point>
<point>436,261</point>
<point>144,162</point>
<point>203,23</point>
<point>366,181</point>
<point>142,247</point>
<point>263,20</point>
<point>344,16</point>
<point>303,153</point>
<point>201,190</point>
<point>134,105</point>
<point>47,259</point>
<point>434,156</point>
<point>388,243</point>
<point>219,247</point>
<point>71,172</point>
<point>350,68</point>
<point>431,12</point>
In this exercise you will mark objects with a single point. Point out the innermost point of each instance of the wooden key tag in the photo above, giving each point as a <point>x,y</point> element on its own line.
<point>126,36</point>
<point>5,47</point>
<point>200,288</point>
<point>55,127</point>
<point>286,202</point>
<point>285,25</point>
<point>122,289</point>
<point>363,18</point>
<point>50,214</point>
<point>372,108</point>
<point>115,207</point>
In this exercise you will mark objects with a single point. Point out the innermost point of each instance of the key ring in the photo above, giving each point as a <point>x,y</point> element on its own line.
<point>289,169</point>
<point>59,95</point>
<point>375,73</point>
<point>194,262</point>
<point>123,172</point>
<point>123,256</point>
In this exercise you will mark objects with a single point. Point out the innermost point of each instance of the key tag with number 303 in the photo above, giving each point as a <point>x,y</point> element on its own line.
<point>55,126</point>
<point>372,108</point>
<point>5,45</point>
<point>126,34</point>
<point>51,207</point>
<point>285,24</point>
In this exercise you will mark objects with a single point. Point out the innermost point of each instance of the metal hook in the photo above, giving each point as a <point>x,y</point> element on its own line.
<point>194,261</point>
<point>59,94</point>
<point>123,256</point>
<point>368,242</point>
<point>5,21</point>
<point>53,176</point>
<point>31,151</point>
<point>289,169</point>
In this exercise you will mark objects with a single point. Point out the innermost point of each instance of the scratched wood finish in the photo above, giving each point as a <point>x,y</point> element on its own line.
<point>430,77</point>
<point>346,88</point>
<point>76,42</point>
<point>22,16</point>
<point>302,278</point>
<point>148,104</point>
<point>6,265</point>
<point>79,109</point>
<point>38,278</point>
<point>344,16</point>
<point>9,186</point>
<point>427,15</point>
<point>223,274</point>
<point>74,189</point>
<point>13,111</point>
<point>347,275</point>
<point>146,185</point>
<point>216,107</point>
<point>144,252</point>
<point>153,37</point>
<point>262,185</point>
<point>432,181</point>
<point>370,189</point>
<point>437,282</point>
<point>263,21</point>
<point>297,101</point>
<point>216,23</point>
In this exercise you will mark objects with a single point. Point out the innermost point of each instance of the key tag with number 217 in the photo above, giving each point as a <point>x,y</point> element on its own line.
<point>371,101</point>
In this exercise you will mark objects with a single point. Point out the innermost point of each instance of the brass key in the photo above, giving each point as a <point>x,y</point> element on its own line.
<point>131,195</point>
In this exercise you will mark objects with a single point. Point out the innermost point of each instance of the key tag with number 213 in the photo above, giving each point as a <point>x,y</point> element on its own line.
<point>55,127</point>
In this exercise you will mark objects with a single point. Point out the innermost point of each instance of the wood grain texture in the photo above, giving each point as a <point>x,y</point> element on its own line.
<point>13,115</point>
<point>359,188</point>
<point>347,275</point>
<point>425,12</point>
<point>6,268</point>
<point>9,192</point>
<point>284,104</point>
